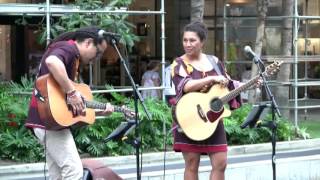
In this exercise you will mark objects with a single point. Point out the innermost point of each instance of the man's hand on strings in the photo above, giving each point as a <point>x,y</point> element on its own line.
<point>75,101</point>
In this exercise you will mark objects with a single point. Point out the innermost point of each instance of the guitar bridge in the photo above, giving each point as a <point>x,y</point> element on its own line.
<point>201,113</point>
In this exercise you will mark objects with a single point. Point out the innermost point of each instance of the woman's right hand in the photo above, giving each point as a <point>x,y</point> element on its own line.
<point>223,81</point>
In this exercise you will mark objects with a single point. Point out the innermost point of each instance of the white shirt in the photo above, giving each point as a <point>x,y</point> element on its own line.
<point>148,78</point>
<point>168,84</point>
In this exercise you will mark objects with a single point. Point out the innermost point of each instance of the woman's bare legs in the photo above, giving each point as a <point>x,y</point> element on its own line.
<point>192,161</point>
<point>219,164</point>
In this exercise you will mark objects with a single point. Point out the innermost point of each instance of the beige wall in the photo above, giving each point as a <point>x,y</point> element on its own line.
<point>15,1</point>
<point>147,42</point>
<point>8,1</point>
<point>5,51</point>
<point>5,46</point>
<point>173,26</point>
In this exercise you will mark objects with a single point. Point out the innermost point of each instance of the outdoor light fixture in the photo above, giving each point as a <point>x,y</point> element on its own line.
<point>239,1</point>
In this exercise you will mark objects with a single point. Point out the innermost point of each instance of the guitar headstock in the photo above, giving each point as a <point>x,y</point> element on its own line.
<point>273,68</point>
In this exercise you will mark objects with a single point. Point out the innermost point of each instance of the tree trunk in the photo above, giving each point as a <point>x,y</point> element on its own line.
<point>282,92</point>
<point>262,9</point>
<point>196,10</point>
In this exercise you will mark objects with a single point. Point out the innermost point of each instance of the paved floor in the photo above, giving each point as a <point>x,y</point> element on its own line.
<point>232,160</point>
<point>154,163</point>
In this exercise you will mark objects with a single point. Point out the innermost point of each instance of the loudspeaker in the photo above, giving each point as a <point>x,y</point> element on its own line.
<point>93,170</point>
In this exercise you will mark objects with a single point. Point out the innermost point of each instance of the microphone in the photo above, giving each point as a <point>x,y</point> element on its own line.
<point>248,51</point>
<point>122,130</point>
<point>253,116</point>
<point>104,34</point>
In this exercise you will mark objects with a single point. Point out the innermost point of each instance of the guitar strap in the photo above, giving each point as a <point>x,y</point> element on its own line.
<point>212,60</point>
<point>75,70</point>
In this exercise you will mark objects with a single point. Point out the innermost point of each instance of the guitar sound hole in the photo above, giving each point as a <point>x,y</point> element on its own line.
<point>216,105</point>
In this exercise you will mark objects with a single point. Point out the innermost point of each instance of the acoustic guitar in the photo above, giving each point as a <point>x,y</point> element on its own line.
<point>198,114</point>
<point>54,111</point>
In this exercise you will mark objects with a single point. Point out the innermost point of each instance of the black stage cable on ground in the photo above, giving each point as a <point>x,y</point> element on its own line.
<point>165,150</point>
<point>45,154</point>
<point>140,143</point>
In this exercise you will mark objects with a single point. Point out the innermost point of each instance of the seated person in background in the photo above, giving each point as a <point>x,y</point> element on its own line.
<point>151,78</point>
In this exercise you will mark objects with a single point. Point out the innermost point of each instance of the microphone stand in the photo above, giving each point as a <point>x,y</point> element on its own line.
<point>137,96</point>
<point>274,109</point>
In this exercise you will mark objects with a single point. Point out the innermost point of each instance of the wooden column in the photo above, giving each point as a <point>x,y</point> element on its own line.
<point>5,53</point>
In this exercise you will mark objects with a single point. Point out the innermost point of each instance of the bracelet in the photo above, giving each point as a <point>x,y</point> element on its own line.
<point>71,93</point>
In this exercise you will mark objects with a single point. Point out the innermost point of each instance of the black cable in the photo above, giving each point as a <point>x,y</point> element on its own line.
<point>45,154</point>
<point>140,143</point>
<point>165,150</point>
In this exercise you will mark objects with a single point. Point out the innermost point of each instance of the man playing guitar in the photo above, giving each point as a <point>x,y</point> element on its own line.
<point>61,61</point>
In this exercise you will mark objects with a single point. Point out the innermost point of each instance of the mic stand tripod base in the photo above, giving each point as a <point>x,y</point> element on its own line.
<point>135,142</point>
<point>270,124</point>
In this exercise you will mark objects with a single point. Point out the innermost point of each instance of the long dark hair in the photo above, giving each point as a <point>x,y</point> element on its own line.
<point>80,35</point>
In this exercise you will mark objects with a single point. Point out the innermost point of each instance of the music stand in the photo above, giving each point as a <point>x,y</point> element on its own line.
<point>121,131</point>
<point>253,119</point>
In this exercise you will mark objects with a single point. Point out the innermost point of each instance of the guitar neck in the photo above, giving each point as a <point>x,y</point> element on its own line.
<point>234,93</point>
<point>101,106</point>
<point>271,69</point>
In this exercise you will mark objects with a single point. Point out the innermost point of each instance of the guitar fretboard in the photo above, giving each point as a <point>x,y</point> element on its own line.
<point>101,106</point>
<point>234,93</point>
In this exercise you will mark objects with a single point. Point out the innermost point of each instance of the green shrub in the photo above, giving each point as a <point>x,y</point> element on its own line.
<point>91,138</point>
<point>18,143</point>
<point>236,135</point>
<point>112,22</point>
